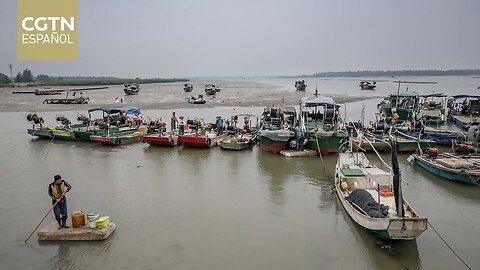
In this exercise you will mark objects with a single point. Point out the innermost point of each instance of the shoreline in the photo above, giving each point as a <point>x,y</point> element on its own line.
<point>9,108</point>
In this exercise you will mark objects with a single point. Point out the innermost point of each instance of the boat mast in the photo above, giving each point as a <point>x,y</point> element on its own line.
<point>397,185</point>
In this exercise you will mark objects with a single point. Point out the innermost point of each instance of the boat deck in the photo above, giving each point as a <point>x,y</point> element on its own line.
<point>85,233</point>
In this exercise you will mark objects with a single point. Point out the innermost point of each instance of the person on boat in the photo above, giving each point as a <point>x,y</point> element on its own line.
<point>246,127</point>
<point>57,190</point>
<point>173,122</point>
<point>395,116</point>
<point>219,124</point>
<point>299,137</point>
<point>181,126</point>
<point>123,118</point>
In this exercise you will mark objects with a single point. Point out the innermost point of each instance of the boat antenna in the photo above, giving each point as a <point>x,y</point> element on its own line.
<point>397,184</point>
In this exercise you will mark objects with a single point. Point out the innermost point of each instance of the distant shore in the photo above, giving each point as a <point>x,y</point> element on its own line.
<point>390,73</point>
<point>90,82</point>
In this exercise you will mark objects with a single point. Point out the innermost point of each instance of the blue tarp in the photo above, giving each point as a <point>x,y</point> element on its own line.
<point>117,109</point>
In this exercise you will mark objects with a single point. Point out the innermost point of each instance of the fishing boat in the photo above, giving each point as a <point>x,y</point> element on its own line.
<point>211,89</point>
<point>320,122</point>
<point>200,136</point>
<point>131,88</point>
<point>63,131</point>
<point>169,139</point>
<point>300,85</point>
<point>459,168</point>
<point>369,142</point>
<point>188,87</point>
<point>404,103</point>
<point>113,120</point>
<point>367,85</point>
<point>240,138</point>
<point>276,133</point>
<point>464,111</point>
<point>433,109</point>
<point>441,137</point>
<point>197,100</point>
<point>117,139</point>
<point>71,97</point>
<point>373,197</point>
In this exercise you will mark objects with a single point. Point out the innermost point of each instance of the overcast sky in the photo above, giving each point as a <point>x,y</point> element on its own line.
<point>188,38</point>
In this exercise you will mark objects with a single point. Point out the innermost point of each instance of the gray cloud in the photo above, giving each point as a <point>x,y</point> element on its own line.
<point>247,38</point>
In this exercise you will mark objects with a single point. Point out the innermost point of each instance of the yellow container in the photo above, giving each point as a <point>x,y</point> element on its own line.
<point>103,222</point>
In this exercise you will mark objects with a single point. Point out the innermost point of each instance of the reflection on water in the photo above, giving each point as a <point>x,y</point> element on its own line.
<point>183,208</point>
<point>383,254</point>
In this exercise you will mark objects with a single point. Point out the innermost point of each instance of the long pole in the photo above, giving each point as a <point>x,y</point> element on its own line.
<point>46,214</point>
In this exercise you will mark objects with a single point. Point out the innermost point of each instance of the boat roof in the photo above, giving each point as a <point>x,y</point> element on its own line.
<point>434,95</point>
<point>368,82</point>
<point>314,101</point>
<point>404,94</point>
<point>464,96</point>
<point>117,109</point>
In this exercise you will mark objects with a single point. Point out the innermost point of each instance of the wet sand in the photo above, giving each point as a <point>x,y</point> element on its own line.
<point>168,96</point>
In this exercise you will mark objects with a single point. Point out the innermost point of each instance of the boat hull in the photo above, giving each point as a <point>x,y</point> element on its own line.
<point>325,144</point>
<point>273,146</point>
<point>159,141</point>
<point>236,146</point>
<point>439,138</point>
<point>41,133</point>
<point>461,121</point>
<point>117,140</point>
<point>453,175</point>
<point>409,146</point>
<point>199,141</point>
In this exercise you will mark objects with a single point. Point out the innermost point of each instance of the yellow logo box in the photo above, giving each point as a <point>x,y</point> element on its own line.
<point>47,29</point>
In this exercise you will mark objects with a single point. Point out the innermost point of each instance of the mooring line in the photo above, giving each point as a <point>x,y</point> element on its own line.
<point>445,242</point>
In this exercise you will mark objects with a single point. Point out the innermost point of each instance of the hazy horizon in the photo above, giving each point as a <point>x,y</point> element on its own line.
<point>268,38</point>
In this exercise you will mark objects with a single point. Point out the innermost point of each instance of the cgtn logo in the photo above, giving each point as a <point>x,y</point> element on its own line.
<point>49,30</point>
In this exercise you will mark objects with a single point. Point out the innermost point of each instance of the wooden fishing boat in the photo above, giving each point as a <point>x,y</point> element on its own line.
<point>131,88</point>
<point>211,89</point>
<point>381,143</point>
<point>114,119</point>
<point>367,85</point>
<point>300,85</point>
<point>373,198</point>
<point>197,100</point>
<point>188,87</point>
<point>161,139</point>
<point>433,109</point>
<point>463,169</point>
<point>74,99</point>
<point>238,142</point>
<point>320,122</point>
<point>118,139</point>
<point>404,103</point>
<point>276,133</point>
<point>464,111</point>
<point>240,138</point>
<point>206,140</point>
<point>63,131</point>
<point>440,137</point>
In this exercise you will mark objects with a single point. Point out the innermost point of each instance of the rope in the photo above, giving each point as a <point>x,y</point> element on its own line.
<point>445,242</point>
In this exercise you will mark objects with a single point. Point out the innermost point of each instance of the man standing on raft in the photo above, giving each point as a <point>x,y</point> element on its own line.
<point>57,191</point>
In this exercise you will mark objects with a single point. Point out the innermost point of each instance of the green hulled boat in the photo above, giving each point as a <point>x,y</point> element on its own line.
<point>320,121</point>
<point>276,133</point>
<point>404,102</point>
